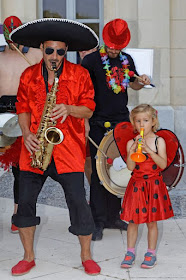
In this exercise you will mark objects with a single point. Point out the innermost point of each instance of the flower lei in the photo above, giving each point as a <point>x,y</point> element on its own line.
<point>112,78</point>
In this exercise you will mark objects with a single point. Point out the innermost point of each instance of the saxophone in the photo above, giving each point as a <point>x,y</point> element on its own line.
<point>47,133</point>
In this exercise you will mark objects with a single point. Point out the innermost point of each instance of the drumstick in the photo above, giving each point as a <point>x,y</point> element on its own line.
<point>132,74</point>
<point>21,54</point>
<point>109,160</point>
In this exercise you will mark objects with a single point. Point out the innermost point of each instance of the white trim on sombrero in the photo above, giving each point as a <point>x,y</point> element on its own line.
<point>55,19</point>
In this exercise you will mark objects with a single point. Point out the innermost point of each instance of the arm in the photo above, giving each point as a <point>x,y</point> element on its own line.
<point>161,158</point>
<point>131,147</point>
<point>136,85</point>
<point>63,110</point>
<point>30,139</point>
<point>84,105</point>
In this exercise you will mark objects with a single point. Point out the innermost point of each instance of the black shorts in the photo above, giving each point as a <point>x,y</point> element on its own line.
<point>73,185</point>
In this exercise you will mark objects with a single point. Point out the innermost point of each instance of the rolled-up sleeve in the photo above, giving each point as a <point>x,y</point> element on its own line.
<point>22,105</point>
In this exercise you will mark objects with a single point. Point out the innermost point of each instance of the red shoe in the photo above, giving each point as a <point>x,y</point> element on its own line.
<point>91,267</point>
<point>14,229</point>
<point>22,267</point>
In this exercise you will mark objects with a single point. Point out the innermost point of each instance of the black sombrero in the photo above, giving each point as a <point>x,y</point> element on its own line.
<point>76,35</point>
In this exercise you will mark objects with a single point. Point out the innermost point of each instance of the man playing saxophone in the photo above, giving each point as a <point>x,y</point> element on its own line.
<point>72,95</point>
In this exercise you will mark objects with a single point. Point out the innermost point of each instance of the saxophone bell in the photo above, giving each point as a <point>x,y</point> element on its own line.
<point>54,135</point>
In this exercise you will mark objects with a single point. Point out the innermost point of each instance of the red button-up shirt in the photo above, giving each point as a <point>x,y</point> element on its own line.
<point>75,88</point>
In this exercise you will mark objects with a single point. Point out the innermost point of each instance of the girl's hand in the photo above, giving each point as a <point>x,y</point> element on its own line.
<point>134,145</point>
<point>145,147</point>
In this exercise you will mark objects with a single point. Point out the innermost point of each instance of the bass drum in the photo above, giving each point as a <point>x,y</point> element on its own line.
<point>173,174</point>
<point>114,177</point>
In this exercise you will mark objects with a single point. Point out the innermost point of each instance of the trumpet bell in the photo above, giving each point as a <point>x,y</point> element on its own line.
<point>138,157</point>
<point>54,135</point>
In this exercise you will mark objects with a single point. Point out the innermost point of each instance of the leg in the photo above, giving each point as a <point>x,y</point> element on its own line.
<point>150,256</point>
<point>98,202</point>
<point>27,239</point>
<point>85,241</point>
<point>152,235</point>
<point>25,219</point>
<point>15,171</point>
<point>132,234</point>
<point>82,223</point>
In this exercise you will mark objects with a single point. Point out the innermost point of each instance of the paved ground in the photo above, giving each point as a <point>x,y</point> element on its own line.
<point>57,251</point>
<point>52,193</point>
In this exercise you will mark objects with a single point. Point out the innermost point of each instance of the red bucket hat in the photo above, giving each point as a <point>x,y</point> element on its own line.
<point>116,34</point>
<point>9,25</point>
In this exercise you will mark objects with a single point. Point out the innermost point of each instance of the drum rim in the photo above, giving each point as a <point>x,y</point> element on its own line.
<point>180,173</point>
<point>99,170</point>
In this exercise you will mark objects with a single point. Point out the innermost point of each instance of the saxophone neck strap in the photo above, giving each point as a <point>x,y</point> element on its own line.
<point>45,74</point>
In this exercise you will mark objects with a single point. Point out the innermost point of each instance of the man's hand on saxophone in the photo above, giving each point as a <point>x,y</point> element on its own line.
<point>63,110</point>
<point>31,142</point>
<point>60,110</point>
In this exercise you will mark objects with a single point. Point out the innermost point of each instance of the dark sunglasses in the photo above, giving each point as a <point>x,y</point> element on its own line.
<point>49,51</point>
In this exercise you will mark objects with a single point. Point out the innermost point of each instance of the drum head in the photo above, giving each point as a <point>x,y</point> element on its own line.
<point>4,117</point>
<point>114,177</point>
<point>173,174</point>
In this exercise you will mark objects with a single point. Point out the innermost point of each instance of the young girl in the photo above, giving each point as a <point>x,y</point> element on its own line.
<point>146,198</point>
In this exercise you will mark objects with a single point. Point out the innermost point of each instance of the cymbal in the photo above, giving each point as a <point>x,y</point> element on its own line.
<point>4,117</point>
<point>5,140</point>
<point>11,128</point>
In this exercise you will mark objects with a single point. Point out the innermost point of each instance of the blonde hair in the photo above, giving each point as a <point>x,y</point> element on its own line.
<point>145,108</point>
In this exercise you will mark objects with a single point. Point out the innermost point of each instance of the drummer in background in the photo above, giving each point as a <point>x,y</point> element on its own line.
<point>107,68</point>
<point>12,66</point>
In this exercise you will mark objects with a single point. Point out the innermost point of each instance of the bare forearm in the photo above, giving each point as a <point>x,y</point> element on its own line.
<point>130,163</point>
<point>80,111</point>
<point>161,162</point>
<point>24,122</point>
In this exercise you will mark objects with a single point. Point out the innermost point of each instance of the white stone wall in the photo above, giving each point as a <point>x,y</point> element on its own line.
<point>160,25</point>
<point>26,10</point>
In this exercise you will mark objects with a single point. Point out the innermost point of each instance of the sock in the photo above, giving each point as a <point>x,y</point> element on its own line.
<point>151,251</point>
<point>132,250</point>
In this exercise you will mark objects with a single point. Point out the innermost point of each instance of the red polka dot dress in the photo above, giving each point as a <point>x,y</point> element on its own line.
<point>146,198</point>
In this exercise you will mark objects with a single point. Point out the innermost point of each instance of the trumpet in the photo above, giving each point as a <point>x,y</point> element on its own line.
<point>138,156</point>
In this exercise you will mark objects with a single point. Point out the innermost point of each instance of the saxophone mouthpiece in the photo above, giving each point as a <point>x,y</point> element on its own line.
<point>54,67</point>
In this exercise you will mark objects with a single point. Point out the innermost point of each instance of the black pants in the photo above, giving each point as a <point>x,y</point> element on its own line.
<point>73,184</point>
<point>16,171</point>
<point>104,205</point>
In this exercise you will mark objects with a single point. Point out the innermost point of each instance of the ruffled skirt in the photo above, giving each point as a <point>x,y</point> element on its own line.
<point>146,201</point>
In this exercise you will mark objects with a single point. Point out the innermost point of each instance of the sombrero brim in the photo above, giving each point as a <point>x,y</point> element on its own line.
<point>76,35</point>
